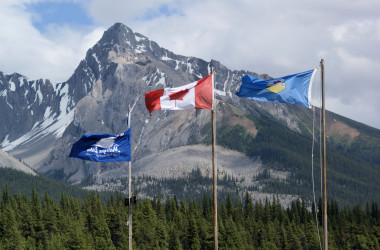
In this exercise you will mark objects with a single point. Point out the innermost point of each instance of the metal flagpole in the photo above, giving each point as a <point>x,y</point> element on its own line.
<point>130,188</point>
<point>324,158</point>
<point>214,171</point>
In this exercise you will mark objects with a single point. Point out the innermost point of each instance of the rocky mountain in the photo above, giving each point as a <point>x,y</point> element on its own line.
<point>33,115</point>
<point>41,120</point>
<point>115,74</point>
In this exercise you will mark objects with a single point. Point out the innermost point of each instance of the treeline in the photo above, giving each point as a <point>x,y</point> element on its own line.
<point>42,223</point>
<point>21,183</point>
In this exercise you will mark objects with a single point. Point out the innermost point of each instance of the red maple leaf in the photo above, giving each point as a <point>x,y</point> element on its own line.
<point>178,95</point>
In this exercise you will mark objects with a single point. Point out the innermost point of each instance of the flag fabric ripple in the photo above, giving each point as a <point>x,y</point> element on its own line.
<point>103,147</point>
<point>294,89</point>
<point>196,95</point>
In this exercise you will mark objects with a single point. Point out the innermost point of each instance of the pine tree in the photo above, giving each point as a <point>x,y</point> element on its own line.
<point>283,244</point>
<point>193,240</point>
<point>174,241</point>
<point>292,236</point>
<point>207,208</point>
<point>5,199</point>
<point>55,241</point>
<point>171,206</point>
<point>74,236</point>
<point>229,204</point>
<point>39,232</point>
<point>145,224</point>
<point>11,237</point>
<point>95,222</point>
<point>50,214</point>
<point>311,235</point>
<point>248,206</point>
<point>272,234</point>
<point>117,214</point>
<point>161,230</point>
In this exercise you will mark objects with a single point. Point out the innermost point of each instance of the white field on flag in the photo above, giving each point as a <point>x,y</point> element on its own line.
<point>179,98</point>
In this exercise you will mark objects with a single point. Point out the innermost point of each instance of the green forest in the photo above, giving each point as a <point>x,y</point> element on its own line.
<point>34,222</point>
<point>20,182</point>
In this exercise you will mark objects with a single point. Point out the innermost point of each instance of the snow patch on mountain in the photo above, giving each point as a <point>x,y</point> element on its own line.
<point>165,58</point>
<point>40,96</point>
<point>139,37</point>
<point>21,80</point>
<point>12,86</point>
<point>53,122</point>
<point>97,61</point>
<point>140,49</point>
<point>34,84</point>
<point>220,92</point>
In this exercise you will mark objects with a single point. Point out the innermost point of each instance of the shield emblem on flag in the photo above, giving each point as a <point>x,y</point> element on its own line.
<point>276,86</point>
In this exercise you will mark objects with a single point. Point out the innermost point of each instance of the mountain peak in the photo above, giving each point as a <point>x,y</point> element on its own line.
<point>118,30</point>
<point>123,36</point>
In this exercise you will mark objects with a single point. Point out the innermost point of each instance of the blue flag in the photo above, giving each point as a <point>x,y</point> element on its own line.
<point>293,89</point>
<point>103,147</point>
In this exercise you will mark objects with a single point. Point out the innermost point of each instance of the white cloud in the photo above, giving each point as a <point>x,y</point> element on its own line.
<point>275,37</point>
<point>53,55</point>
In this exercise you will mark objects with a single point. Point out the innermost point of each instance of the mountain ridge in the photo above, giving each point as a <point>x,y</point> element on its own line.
<point>115,74</point>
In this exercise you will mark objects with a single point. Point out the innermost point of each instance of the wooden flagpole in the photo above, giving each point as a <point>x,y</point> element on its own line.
<point>130,189</point>
<point>324,158</point>
<point>214,171</point>
<point>130,207</point>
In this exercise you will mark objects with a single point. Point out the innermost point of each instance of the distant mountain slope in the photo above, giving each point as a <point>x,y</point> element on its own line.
<point>353,166</point>
<point>118,71</point>
<point>8,161</point>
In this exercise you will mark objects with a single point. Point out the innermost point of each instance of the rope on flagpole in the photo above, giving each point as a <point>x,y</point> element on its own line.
<point>312,177</point>
<point>313,106</point>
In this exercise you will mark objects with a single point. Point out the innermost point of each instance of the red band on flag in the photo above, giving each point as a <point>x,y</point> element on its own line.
<point>152,100</point>
<point>203,93</point>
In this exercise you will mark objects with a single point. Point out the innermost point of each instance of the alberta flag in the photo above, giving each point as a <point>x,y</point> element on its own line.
<point>295,89</point>
<point>196,95</point>
<point>103,147</point>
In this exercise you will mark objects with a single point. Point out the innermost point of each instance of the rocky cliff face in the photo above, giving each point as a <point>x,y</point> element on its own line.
<point>41,120</point>
<point>33,115</point>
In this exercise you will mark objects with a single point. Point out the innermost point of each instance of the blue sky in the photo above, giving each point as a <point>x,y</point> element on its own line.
<point>58,13</point>
<point>47,39</point>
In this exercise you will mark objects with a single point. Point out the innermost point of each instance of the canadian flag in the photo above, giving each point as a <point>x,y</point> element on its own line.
<point>196,95</point>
